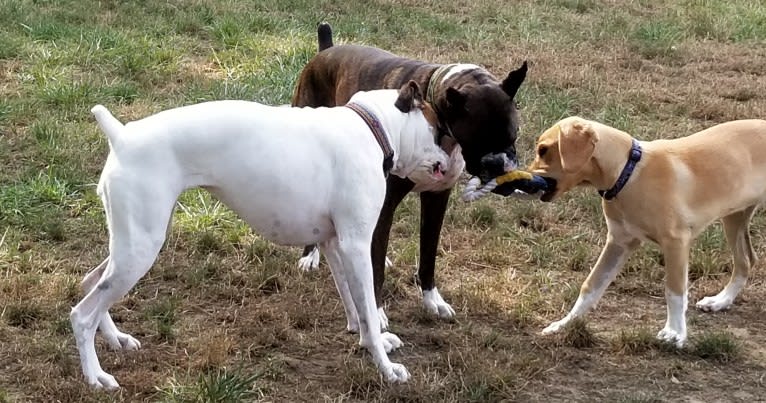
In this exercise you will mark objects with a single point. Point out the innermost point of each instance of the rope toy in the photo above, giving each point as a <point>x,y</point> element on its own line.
<point>519,184</point>
<point>473,192</point>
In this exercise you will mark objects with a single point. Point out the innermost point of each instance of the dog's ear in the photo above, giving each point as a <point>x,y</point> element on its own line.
<point>410,97</point>
<point>512,83</point>
<point>577,142</point>
<point>455,99</point>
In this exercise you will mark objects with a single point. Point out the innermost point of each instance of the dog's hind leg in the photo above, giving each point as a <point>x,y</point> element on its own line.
<point>116,339</point>
<point>309,260</point>
<point>136,235</point>
<point>609,263</point>
<point>90,279</point>
<point>736,227</point>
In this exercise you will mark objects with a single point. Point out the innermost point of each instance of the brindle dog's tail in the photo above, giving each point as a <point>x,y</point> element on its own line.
<point>324,35</point>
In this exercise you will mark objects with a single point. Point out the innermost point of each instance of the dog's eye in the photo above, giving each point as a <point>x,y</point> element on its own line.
<point>541,151</point>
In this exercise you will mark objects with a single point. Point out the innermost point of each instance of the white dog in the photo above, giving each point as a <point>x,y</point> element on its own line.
<point>298,176</point>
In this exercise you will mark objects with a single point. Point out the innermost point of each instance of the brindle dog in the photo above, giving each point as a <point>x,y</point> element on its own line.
<point>476,111</point>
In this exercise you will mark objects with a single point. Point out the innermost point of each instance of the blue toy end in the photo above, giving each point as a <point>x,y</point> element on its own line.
<point>529,186</point>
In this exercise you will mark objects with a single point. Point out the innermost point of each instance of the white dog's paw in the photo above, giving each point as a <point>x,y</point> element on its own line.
<point>352,327</point>
<point>101,380</point>
<point>714,304</point>
<point>383,319</point>
<point>555,327</point>
<point>435,304</point>
<point>124,341</point>
<point>396,373</point>
<point>309,262</point>
<point>390,341</point>
<point>669,335</point>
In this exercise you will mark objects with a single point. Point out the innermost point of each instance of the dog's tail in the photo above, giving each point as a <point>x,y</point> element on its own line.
<point>324,35</point>
<point>109,125</point>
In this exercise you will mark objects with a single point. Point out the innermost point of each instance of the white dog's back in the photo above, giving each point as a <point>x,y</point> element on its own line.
<point>258,158</point>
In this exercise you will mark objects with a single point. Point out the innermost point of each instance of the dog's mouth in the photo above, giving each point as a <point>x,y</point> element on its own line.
<point>437,170</point>
<point>547,196</point>
<point>550,191</point>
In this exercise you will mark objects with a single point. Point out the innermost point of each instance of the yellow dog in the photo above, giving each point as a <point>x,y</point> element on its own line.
<point>665,191</point>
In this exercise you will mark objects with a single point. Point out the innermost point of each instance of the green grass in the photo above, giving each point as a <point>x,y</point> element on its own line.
<point>660,38</point>
<point>218,386</point>
<point>163,313</point>
<point>717,346</point>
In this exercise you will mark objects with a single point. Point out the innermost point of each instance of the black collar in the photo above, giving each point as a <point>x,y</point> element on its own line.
<point>630,165</point>
<point>377,131</point>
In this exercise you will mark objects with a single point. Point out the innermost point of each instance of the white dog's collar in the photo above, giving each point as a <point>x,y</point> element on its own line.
<point>377,131</point>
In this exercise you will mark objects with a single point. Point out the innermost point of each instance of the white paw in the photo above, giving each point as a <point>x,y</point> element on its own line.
<point>435,304</point>
<point>383,319</point>
<point>714,304</point>
<point>390,341</point>
<point>309,262</point>
<point>126,342</point>
<point>395,373</point>
<point>352,327</point>
<point>388,264</point>
<point>101,379</point>
<point>669,335</point>
<point>555,327</point>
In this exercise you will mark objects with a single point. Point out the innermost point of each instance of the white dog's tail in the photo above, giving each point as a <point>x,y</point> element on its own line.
<point>109,125</point>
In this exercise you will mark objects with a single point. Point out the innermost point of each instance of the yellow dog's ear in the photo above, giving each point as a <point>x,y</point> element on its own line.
<point>577,142</point>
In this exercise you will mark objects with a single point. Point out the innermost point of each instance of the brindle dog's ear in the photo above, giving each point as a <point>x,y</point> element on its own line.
<point>410,97</point>
<point>456,100</point>
<point>512,83</point>
<point>577,142</point>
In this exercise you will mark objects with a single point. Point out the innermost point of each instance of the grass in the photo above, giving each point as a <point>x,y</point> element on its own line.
<point>219,386</point>
<point>718,346</point>
<point>224,315</point>
<point>577,334</point>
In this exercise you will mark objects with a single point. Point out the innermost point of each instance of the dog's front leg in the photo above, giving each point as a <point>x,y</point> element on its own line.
<point>330,249</point>
<point>355,258</point>
<point>676,253</point>
<point>396,189</point>
<point>433,206</point>
<point>609,263</point>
